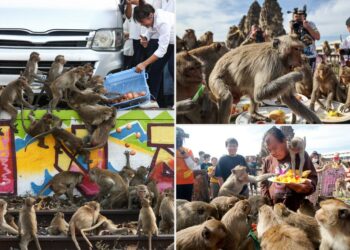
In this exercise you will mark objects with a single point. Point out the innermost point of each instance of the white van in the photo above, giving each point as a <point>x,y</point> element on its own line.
<point>81,30</point>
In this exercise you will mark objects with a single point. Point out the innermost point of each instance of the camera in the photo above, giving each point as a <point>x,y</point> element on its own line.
<point>298,28</point>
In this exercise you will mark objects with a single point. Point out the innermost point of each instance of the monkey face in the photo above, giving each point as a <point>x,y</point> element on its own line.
<point>94,205</point>
<point>243,206</point>
<point>241,173</point>
<point>214,233</point>
<point>29,201</point>
<point>34,56</point>
<point>344,75</point>
<point>323,71</point>
<point>333,213</point>
<point>22,81</point>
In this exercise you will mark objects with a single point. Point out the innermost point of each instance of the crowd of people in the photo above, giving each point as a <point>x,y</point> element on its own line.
<point>217,170</point>
<point>149,45</point>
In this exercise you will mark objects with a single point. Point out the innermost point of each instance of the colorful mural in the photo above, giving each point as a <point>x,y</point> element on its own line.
<point>149,135</point>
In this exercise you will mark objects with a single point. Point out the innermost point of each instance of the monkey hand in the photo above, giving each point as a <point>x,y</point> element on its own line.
<point>140,67</point>
<point>345,108</point>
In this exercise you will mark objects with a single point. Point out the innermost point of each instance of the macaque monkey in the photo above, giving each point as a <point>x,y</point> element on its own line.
<point>58,225</point>
<point>11,221</point>
<point>99,136</point>
<point>147,222</point>
<point>127,174</point>
<point>238,178</point>
<point>261,71</point>
<point>84,220</point>
<point>64,82</point>
<point>297,146</point>
<point>11,93</point>
<point>194,213</point>
<point>326,49</point>
<point>235,220</point>
<point>63,183</point>
<point>340,187</point>
<point>95,81</point>
<point>307,208</point>
<point>89,97</point>
<point>304,86</point>
<point>344,78</point>
<point>137,195</point>
<point>69,140</point>
<point>210,235</point>
<point>94,115</point>
<point>88,72</point>
<point>208,56</point>
<point>325,83</point>
<point>113,190</point>
<point>31,71</point>
<point>256,202</point>
<point>206,39</point>
<point>179,44</point>
<point>334,220</point>
<point>3,224</point>
<point>224,204</point>
<point>56,68</point>
<point>109,227</point>
<point>189,39</point>
<point>189,75</point>
<point>28,224</point>
<point>166,211</point>
<point>306,223</point>
<point>275,234</point>
<point>234,37</point>
<point>267,219</point>
<point>46,122</point>
<point>140,176</point>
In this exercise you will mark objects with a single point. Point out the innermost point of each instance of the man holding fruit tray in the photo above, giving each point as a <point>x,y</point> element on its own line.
<point>286,188</point>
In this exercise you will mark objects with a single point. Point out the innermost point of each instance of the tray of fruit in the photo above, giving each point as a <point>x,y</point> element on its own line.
<point>128,88</point>
<point>288,177</point>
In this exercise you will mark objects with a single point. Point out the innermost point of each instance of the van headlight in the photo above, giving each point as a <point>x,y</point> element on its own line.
<point>107,39</point>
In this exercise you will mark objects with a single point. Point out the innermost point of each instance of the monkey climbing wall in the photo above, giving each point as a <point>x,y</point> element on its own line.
<point>148,136</point>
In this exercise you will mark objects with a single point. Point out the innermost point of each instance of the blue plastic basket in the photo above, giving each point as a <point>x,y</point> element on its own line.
<point>128,81</point>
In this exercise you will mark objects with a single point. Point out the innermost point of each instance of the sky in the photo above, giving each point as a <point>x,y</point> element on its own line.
<point>211,138</point>
<point>218,15</point>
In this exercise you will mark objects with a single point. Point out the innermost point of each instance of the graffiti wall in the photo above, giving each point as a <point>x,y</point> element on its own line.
<point>141,137</point>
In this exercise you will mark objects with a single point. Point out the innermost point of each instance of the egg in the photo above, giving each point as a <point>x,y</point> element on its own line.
<point>130,96</point>
<point>132,152</point>
<point>142,93</point>
<point>138,135</point>
<point>118,130</point>
<point>127,145</point>
<point>128,126</point>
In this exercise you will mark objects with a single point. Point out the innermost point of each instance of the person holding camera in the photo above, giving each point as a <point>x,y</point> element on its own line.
<point>307,33</point>
<point>184,167</point>
<point>256,35</point>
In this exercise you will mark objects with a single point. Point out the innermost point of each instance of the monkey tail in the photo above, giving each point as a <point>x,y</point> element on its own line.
<point>44,188</point>
<point>35,237</point>
<point>22,119</point>
<point>150,240</point>
<point>37,136</point>
<point>74,238</point>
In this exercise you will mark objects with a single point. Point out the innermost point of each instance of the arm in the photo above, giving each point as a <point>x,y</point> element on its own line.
<point>128,9</point>
<point>309,186</point>
<point>264,186</point>
<point>312,30</point>
<point>218,174</point>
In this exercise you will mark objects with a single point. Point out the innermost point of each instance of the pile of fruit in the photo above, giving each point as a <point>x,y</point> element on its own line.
<point>290,178</point>
<point>129,96</point>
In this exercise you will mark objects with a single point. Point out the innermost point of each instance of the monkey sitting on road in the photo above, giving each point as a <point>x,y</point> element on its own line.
<point>238,178</point>
<point>166,211</point>
<point>63,183</point>
<point>137,194</point>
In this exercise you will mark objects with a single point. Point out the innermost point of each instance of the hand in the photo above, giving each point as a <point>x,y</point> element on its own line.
<point>306,25</point>
<point>140,67</point>
<point>305,187</point>
<point>144,41</point>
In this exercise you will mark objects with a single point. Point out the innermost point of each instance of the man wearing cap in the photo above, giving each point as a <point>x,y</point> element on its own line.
<point>184,166</point>
<point>310,52</point>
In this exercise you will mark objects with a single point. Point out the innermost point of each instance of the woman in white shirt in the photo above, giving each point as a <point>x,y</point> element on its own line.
<point>158,22</point>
